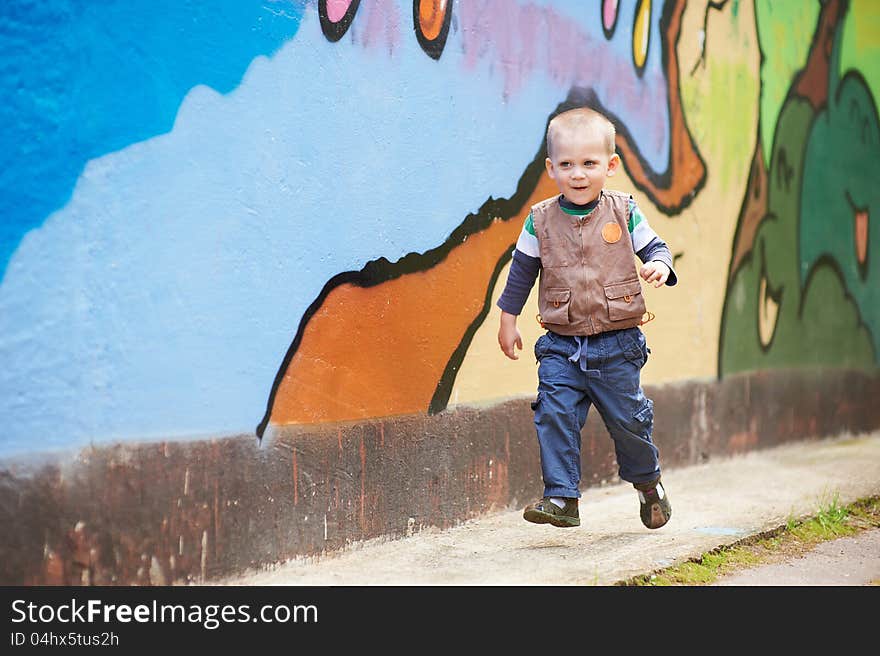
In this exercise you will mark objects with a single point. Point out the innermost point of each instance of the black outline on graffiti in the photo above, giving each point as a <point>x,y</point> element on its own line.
<point>640,70</point>
<point>701,61</point>
<point>757,156</point>
<point>433,47</point>
<point>609,32</point>
<point>649,179</point>
<point>443,391</point>
<point>776,295</point>
<point>659,180</point>
<point>335,31</point>
<point>379,271</point>
<point>863,268</point>
<point>819,112</point>
<point>826,260</point>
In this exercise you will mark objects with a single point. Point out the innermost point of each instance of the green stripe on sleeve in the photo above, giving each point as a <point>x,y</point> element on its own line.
<point>635,216</point>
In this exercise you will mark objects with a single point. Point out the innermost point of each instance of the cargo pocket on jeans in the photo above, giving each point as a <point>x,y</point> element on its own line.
<point>633,346</point>
<point>537,401</point>
<point>541,347</point>
<point>645,416</point>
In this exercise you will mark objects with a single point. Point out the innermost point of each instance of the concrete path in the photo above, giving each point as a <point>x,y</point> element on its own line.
<point>851,560</point>
<point>714,504</point>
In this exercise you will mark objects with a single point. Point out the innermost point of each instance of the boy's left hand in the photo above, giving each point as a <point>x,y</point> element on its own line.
<point>656,272</point>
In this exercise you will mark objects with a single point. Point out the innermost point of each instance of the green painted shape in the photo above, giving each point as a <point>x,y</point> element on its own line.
<point>860,45</point>
<point>832,330</point>
<point>740,342</point>
<point>842,174</point>
<point>827,332</point>
<point>734,86</point>
<point>785,32</point>
<point>819,326</point>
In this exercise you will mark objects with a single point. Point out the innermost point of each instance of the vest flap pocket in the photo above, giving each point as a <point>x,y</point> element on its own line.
<point>625,300</point>
<point>621,289</point>
<point>558,296</point>
<point>554,309</point>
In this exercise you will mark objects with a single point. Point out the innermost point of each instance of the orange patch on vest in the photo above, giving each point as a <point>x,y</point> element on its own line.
<point>611,232</point>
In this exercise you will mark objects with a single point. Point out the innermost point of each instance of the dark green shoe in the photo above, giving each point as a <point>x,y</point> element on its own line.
<point>547,512</point>
<point>654,507</point>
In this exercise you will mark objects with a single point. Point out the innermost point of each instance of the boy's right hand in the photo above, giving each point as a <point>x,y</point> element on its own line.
<point>508,336</point>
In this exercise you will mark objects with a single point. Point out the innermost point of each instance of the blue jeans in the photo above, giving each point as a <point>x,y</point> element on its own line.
<point>606,375</point>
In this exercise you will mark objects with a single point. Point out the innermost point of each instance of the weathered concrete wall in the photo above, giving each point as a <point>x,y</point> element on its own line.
<point>182,512</point>
<point>289,220</point>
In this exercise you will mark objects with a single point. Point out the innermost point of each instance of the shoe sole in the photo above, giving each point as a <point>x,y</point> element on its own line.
<point>536,517</point>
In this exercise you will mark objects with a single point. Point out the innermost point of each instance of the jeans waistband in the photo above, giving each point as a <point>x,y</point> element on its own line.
<point>607,333</point>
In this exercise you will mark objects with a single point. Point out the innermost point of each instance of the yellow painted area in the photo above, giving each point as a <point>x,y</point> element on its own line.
<point>860,49</point>
<point>641,33</point>
<point>487,375</point>
<point>768,313</point>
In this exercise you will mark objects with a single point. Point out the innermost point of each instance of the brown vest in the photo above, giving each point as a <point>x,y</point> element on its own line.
<point>589,282</point>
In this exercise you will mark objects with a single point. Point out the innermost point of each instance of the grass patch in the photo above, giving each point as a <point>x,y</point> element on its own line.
<point>795,537</point>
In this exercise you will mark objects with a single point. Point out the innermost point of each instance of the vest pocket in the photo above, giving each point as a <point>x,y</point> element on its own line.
<point>556,304</point>
<point>625,300</point>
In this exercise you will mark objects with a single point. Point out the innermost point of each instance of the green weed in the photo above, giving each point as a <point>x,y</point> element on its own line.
<point>832,520</point>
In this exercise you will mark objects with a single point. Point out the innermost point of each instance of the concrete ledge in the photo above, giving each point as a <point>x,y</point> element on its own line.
<point>172,512</point>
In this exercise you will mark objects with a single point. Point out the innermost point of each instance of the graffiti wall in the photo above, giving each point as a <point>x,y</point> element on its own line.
<point>219,220</point>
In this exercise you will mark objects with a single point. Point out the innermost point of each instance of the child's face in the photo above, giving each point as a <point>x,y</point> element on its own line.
<point>580,164</point>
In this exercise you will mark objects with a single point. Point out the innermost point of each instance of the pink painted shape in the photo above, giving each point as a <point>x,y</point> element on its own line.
<point>609,13</point>
<point>336,9</point>
<point>381,26</point>
<point>519,44</point>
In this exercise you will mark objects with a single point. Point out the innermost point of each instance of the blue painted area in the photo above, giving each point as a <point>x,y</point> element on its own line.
<point>158,300</point>
<point>81,79</point>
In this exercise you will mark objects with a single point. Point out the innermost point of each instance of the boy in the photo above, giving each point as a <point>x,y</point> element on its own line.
<point>590,301</point>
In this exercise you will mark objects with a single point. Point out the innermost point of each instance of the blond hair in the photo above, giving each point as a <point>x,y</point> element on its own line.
<point>581,118</point>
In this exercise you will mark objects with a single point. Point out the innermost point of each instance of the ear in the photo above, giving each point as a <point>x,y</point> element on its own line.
<point>613,164</point>
<point>548,163</point>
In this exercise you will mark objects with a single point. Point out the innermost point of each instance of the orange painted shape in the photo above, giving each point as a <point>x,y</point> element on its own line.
<point>431,14</point>
<point>380,351</point>
<point>611,232</point>
<point>686,169</point>
<point>861,235</point>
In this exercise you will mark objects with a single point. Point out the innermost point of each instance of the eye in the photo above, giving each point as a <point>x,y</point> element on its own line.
<point>564,165</point>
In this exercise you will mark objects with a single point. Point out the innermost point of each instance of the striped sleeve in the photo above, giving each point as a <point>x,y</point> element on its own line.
<point>527,244</point>
<point>641,232</point>
<point>520,280</point>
